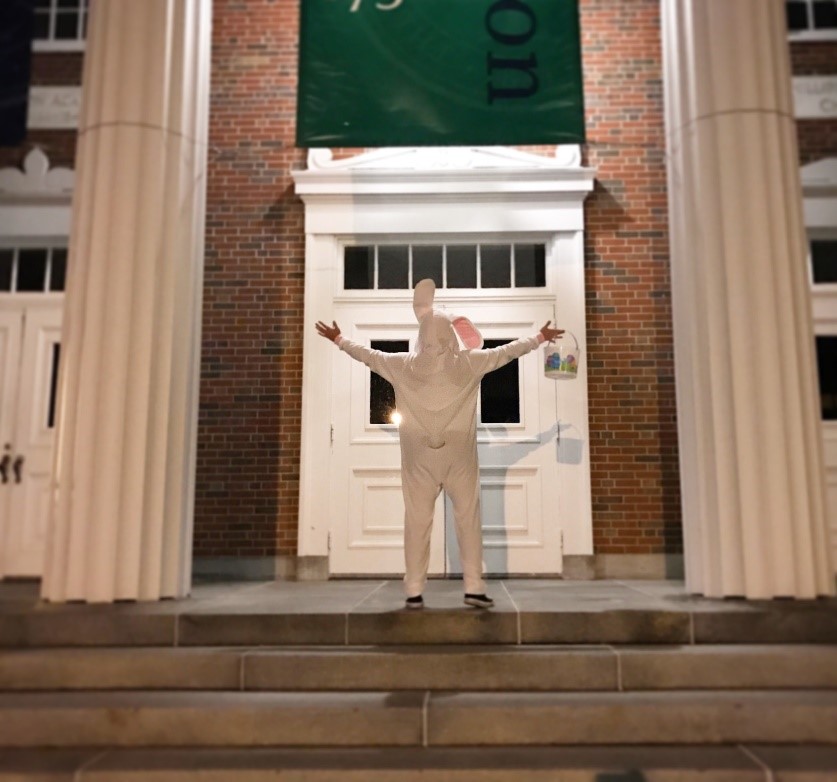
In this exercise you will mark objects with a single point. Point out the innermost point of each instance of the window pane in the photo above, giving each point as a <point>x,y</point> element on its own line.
<point>827,363</point>
<point>31,270</point>
<point>530,266</point>
<point>797,14</point>
<point>66,25</point>
<point>59,270</point>
<point>41,26</point>
<point>427,264</point>
<point>462,266</point>
<point>495,266</point>
<point>359,268</point>
<point>6,261</point>
<point>39,4</point>
<point>73,4</point>
<point>824,260</point>
<point>53,384</point>
<point>825,14</point>
<point>381,392</point>
<point>393,267</point>
<point>500,391</point>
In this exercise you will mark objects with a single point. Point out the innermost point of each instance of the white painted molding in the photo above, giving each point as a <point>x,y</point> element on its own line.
<point>54,107</point>
<point>444,158</point>
<point>815,97</point>
<point>820,175</point>
<point>36,180</point>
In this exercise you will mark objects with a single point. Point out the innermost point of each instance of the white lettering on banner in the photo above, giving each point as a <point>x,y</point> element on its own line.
<point>380,6</point>
<point>54,108</point>
<point>815,97</point>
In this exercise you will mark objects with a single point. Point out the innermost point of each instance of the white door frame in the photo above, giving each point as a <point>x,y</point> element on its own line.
<point>443,192</point>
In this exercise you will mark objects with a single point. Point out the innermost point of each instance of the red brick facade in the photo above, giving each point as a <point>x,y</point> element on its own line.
<point>250,410</point>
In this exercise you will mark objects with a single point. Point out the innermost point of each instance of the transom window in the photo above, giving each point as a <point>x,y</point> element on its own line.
<point>401,266</point>
<point>33,269</point>
<point>824,261</point>
<point>61,20</point>
<point>811,15</point>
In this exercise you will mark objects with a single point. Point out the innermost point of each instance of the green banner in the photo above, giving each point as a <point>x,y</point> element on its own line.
<point>436,72</point>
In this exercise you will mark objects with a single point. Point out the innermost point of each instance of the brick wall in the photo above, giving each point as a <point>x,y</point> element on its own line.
<point>251,377</point>
<point>633,428</point>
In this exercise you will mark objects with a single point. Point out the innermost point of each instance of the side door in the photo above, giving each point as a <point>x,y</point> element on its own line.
<point>517,449</point>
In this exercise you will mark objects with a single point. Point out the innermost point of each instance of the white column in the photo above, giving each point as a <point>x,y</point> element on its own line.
<point>750,451</point>
<point>121,515</point>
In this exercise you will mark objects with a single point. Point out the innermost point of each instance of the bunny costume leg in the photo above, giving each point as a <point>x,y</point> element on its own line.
<point>420,489</point>
<point>463,487</point>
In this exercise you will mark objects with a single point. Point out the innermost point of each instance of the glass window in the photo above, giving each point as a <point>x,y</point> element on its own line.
<point>427,264</point>
<point>824,260</point>
<point>381,392</point>
<point>58,270</point>
<point>500,391</point>
<point>797,14</point>
<point>7,258</point>
<point>530,266</point>
<point>53,384</point>
<point>825,14</point>
<point>61,20</point>
<point>393,267</point>
<point>827,365</point>
<point>462,266</point>
<point>31,270</point>
<point>495,265</point>
<point>359,268</point>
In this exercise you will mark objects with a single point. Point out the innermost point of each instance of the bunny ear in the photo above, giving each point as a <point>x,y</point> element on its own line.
<point>423,298</point>
<point>467,332</point>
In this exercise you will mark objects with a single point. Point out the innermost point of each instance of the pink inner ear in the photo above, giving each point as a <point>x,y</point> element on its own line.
<point>467,332</point>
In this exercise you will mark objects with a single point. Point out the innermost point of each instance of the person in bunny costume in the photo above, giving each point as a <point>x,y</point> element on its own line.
<point>436,389</point>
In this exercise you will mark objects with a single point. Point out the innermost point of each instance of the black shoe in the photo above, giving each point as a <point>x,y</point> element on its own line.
<point>479,601</point>
<point>415,602</point>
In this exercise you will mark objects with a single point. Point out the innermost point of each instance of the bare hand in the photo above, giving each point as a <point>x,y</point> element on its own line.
<point>550,334</point>
<point>329,332</point>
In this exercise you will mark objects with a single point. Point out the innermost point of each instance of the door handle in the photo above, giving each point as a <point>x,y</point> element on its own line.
<point>4,468</point>
<point>17,468</point>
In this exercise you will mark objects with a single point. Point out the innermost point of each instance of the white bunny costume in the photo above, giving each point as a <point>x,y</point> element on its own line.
<point>436,393</point>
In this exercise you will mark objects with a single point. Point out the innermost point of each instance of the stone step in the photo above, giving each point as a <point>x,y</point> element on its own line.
<point>416,718</point>
<point>471,668</point>
<point>754,763</point>
<point>169,625</point>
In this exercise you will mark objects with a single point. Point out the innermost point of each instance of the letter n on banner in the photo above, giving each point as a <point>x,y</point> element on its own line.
<point>436,72</point>
<point>16,29</point>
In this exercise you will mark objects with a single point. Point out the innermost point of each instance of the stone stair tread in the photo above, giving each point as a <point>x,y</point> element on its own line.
<point>413,718</point>
<point>415,764</point>
<point>593,667</point>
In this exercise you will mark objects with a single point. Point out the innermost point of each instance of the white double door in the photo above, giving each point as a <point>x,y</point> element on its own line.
<point>30,338</point>
<point>516,448</point>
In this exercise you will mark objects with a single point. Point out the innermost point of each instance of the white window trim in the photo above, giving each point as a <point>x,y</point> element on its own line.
<point>43,45</point>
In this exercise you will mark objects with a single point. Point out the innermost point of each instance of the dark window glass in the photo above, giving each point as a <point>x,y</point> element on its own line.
<point>393,267</point>
<point>827,364</point>
<point>41,29</point>
<point>31,270</point>
<point>427,264</point>
<point>6,262</point>
<point>53,384</point>
<point>381,392</point>
<point>530,266</point>
<point>66,25</point>
<point>359,268</point>
<point>797,14</point>
<point>500,391</point>
<point>824,260</point>
<point>59,270</point>
<point>42,4</point>
<point>825,14</point>
<point>462,266</point>
<point>495,266</point>
<point>73,4</point>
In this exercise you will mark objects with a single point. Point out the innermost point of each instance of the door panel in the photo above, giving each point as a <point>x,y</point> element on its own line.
<point>33,440</point>
<point>367,508</point>
<point>11,324</point>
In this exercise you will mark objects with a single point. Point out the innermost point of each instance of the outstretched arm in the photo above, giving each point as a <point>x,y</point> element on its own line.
<point>485,361</point>
<point>376,360</point>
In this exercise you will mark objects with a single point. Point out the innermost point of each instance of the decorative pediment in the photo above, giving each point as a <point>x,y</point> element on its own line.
<point>37,180</point>
<point>444,158</point>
